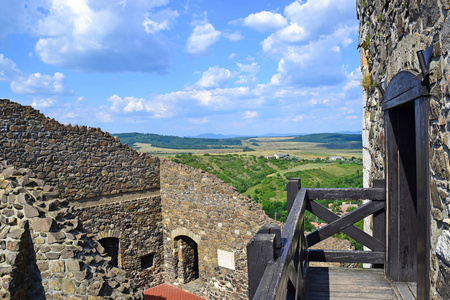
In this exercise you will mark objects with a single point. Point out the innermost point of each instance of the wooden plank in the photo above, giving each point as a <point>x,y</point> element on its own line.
<point>401,89</point>
<point>404,291</point>
<point>352,231</point>
<point>423,199</point>
<point>343,256</point>
<point>375,194</point>
<point>343,222</point>
<point>348,283</point>
<point>392,193</point>
<point>379,221</point>
<point>292,188</point>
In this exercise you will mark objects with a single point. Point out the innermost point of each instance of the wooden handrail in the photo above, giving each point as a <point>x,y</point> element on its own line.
<point>285,276</point>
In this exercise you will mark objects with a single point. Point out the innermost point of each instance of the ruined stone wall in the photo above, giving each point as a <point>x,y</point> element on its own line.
<point>137,224</point>
<point>219,219</point>
<point>43,252</point>
<point>390,33</point>
<point>81,162</point>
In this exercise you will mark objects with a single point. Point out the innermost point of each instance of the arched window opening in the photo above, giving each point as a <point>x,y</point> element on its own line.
<point>185,259</point>
<point>111,246</point>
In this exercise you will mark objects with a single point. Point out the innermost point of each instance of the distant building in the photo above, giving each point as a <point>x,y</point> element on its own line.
<point>280,155</point>
<point>335,158</point>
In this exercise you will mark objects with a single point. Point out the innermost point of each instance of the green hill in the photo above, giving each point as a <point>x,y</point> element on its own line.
<point>175,142</point>
<point>332,140</point>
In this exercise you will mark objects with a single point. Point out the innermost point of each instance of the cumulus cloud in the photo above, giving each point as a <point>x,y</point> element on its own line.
<point>249,68</point>
<point>38,83</point>
<point>250,114</point>
<point>299,118</point>
<point>129,105</point>
<point>8,69</point>
<point>265,21</point>
<point>314,64</point>
<point>198,121</point>
<point>105,35</point>
<point>162,20</point>
<point>104,117</point>
<point>319,17</point>
<point>234,37</point>
<point>202,37</point>
<point>43,103</point>
<point>214,77</point>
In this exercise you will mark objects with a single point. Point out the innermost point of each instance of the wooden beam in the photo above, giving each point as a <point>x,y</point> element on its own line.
<point>374,194</point>
<point>343,222</point>
<point>352,231</point>
<point>343,256</point>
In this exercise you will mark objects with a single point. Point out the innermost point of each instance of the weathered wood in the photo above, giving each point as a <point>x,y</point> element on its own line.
<point>352,231</point>
<point>374,194</point>
<point>404,291</point>
<point>345,256</point>
<point>392,191</point>
<point>292,188</point>
<point>379,221</point>
<point>284,272</point>
<point>261,250</point>
<point>348,283</point>
<point>401,89</point>
<point>423,199</point>
<point>343,222</point>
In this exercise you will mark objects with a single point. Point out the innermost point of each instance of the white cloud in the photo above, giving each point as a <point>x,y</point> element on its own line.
<point>133,104</point>
<point>70,115</point>
<point>321,17</point>
<point>299,118</point>
<point>43,103</point>
<point>265,21</point>
<point>250,68</point>
<point>202,37</point>
<point>234,37</point>
<point>38,83</point>
<point>8,69</point>
<point>250,114</point>
<point>128,105</point>
<point>162,20</point>
<point>104,35</point>
<point>198,121</point>
<point>104,117</point>
<point>232,56</point>
<point>214,77</point>
<point>247,79</point>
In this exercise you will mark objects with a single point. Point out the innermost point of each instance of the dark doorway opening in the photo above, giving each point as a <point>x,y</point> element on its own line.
<point>406,111</point>
<point>111,245</point>
<point>402,194</point>
<point>185,259</point>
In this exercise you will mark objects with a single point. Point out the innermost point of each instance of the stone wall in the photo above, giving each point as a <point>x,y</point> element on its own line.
<point>81,162</point>
<point>219,219</point>
<point>390,34</point>
<point>44,254</point>
<point>137,223</point>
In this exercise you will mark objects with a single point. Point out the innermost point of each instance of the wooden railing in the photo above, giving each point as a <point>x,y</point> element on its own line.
<point>278,260</point>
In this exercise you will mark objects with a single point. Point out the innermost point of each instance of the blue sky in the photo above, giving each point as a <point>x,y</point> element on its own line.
<point>185,67</point>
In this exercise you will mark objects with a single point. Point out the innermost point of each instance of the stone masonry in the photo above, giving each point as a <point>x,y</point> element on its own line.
<point>219,219</point>
<point>71,188</point>
<point>43,252</point>
<point>81,162</point>
<point>137,224</point>
<point>390,34</point>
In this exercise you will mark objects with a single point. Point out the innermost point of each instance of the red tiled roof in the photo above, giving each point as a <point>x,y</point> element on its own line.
<point>168,292</point>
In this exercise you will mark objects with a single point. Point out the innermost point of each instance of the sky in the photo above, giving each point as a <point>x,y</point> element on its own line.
<point>185,67</point>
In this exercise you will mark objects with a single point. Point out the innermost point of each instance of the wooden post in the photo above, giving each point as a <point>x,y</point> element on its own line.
<point>262,249</point>
<point>292,188</point>
<point>379,220</point>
